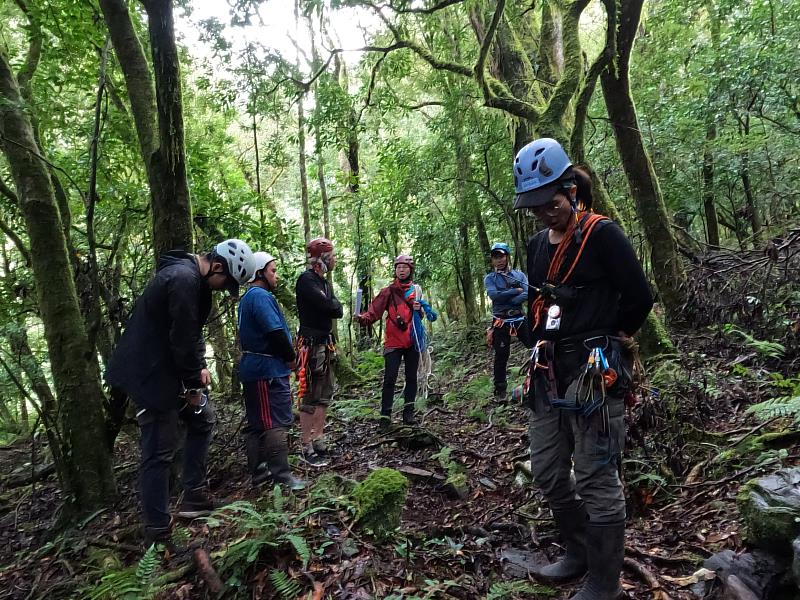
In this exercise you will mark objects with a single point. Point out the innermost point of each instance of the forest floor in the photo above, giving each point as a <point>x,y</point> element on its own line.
<point>689,451</point>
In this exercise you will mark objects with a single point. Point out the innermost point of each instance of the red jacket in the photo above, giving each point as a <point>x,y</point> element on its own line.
<point>391,300</point>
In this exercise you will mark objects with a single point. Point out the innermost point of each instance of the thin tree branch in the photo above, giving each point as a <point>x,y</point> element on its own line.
<point>602,62</point>
<point>421,105</point>
<point>8,193</point>
<point>45,161</point>
<point>480,65</point>
<point>26,72</point>
<point>372,77</point>
<point>21,247</point>
<point>424,11</point>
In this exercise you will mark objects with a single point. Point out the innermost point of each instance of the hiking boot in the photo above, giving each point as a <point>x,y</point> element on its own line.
<point>276,443</point>
<point>408,415</point>
<point>260,477</point>
<point>500,396</point>
<point>158,535</point>
<point>605,551</point>
<point>384,424</point>
<point>313,459</point>
<point>197,503</point>
<point>572,528</point>
<point>321,448</point>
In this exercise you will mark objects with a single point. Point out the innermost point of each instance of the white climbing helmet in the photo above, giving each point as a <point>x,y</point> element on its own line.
<point>239,259</point>
<point>261,260</point>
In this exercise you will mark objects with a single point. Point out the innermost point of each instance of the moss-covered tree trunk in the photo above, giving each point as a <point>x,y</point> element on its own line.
<point>89,481</point>
<point>667,268</point>
<point>709,199</point>
<point>172,210</point>
<point>135,69</point>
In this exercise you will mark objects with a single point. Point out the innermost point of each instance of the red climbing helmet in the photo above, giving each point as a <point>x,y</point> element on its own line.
<point>404,259</point>
<point>318,246</point>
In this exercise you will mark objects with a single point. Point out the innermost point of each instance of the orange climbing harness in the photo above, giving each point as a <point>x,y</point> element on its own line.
<point>304,350</point>
<point>583,221</point>
<point>513,323</point>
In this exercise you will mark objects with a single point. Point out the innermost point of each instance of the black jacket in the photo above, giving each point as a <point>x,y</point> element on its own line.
<point>162,348</point>
<point>610,290</point>
<point>316,305</point>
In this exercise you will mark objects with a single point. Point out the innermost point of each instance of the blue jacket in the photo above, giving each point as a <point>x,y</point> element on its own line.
<point>418,334</point>
<point>259,314</point>
<point>503,290</point>
<point>162,350</point>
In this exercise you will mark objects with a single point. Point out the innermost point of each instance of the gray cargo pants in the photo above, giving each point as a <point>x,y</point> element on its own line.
<point>559,437</point>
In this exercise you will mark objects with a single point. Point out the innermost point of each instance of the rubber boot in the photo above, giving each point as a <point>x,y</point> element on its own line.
<point>572,528</point>
<point>276,442</point>
<point>605,551</point>
<point>256,458</point>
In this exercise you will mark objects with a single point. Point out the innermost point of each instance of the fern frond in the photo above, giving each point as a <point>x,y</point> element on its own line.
<point>147,566</point>
<point>784,406</point>
<point>130,583</point>
<point>277,499</point>
<point>287,587</point>
<point>300,546</point>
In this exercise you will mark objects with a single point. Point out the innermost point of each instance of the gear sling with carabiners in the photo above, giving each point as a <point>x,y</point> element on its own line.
<point>586,384</point>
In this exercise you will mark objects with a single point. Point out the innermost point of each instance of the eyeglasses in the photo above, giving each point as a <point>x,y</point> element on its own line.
<point>550,209</point>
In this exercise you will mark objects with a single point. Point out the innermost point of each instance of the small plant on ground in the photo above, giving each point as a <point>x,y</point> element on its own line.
<point>765,349</point>
<point>139,582</point>
<point>785,405</point>
<point>456,471</point>
<point>380,499</point>
<point>262,528</point>
<point>509,590</point>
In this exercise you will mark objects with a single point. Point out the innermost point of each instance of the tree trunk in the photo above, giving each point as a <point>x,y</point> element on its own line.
<point>709,192</point>
<point>301,161</point>
<point>551,46</point>
<point>136,71</point>
<point>89,481</point>
<point>752,210</point>
<point>169,190</point>
<point>220,342</point>
<point>709,206</point>
<point>667,268</point>
<point>464,200</point>
<point>323,187</point>
<point>47,406</point>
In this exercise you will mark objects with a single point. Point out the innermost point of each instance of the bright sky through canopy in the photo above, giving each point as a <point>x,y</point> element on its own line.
<point>348,27</point>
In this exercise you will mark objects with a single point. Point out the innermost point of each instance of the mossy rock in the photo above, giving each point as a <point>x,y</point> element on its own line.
<point>770,510</point>
<point>380,499</point>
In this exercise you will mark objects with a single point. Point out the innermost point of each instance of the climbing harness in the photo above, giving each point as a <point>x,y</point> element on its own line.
<point>514,325</point>
<point>303,349</point>
<point>546,304</point>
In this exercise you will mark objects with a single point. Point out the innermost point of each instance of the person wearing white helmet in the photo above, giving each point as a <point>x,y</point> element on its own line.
<point>159,363</point>
<point>268,359</point>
